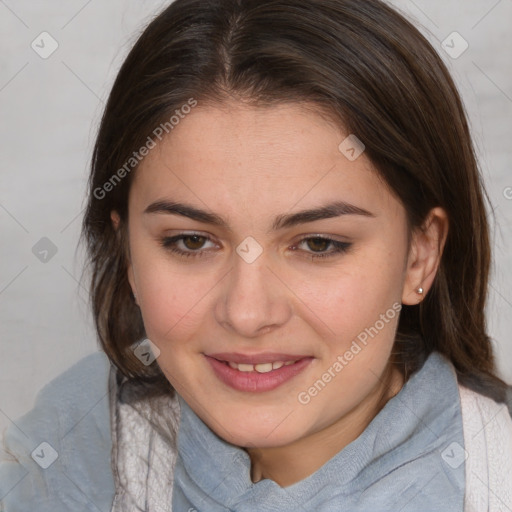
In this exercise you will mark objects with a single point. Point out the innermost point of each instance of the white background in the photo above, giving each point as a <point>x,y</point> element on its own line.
<point>50,109</point>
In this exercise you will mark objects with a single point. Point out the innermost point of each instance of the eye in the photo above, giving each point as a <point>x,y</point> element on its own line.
<point>318,244</point>
<point>191,244</point>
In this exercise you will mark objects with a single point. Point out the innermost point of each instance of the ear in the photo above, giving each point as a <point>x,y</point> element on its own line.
<point>116,220</point>
<point>425,253</point>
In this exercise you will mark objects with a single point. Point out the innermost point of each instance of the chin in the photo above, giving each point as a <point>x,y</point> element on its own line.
<point>244,431</point>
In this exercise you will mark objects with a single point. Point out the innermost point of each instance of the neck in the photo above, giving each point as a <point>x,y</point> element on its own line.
<point>291,463</point>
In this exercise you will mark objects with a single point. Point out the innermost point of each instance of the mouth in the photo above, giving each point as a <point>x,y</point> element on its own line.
<point>260,367</point>
<point>263,372</point>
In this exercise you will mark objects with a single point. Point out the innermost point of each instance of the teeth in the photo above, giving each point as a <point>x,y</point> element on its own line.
<point>263,367</point>
<point>245,367</point>
<point>260,368</point>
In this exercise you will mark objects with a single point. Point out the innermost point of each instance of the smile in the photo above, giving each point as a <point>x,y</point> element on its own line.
<point>258,377</point>
<point>260,368</point>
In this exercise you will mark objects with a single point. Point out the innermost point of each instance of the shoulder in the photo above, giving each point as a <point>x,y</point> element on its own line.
<point>58,454</point>
<point>487,427</point>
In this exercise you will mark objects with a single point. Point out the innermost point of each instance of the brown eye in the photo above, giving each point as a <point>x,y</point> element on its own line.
<point>193,242</point>
<point>318,244</point>
<point>188,245</point>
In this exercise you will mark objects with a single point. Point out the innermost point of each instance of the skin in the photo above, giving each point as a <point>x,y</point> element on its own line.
<point>249,164</point>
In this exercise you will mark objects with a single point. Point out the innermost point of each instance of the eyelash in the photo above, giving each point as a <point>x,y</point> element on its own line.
<point>169,243</point>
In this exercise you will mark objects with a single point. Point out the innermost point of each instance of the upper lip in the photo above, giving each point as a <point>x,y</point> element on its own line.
<point>264,357</point>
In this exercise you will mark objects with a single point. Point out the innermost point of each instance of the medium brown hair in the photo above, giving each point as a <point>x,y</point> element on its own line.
<point>366,66</point>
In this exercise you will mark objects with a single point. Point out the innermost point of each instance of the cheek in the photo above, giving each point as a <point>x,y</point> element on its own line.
<point>170,301</point>
<point>354,294</point>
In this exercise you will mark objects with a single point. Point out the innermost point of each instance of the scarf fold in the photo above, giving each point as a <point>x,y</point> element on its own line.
<point>409,458</point>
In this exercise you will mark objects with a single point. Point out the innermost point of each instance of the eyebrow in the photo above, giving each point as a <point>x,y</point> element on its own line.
<point>331,210</point>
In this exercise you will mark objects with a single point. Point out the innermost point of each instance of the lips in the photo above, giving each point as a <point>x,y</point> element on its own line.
<point>254,359</point>
<point>256,376</point>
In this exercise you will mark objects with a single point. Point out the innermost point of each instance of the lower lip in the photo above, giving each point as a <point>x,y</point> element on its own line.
<point>253,381</point>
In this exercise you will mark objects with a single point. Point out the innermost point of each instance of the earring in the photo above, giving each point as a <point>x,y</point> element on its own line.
<point>420,290</point>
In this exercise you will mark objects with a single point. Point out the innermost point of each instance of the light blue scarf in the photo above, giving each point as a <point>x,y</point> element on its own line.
<point>410,458</point>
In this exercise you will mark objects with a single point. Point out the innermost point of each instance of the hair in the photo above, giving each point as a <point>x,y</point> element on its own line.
<point>367,67</point>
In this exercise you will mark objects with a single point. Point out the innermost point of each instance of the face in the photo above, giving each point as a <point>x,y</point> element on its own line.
<point>325,290</point>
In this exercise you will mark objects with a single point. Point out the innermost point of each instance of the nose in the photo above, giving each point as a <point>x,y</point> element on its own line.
<point>254,300</point>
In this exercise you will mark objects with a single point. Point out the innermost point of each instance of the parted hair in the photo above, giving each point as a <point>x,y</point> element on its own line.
<point>372,71</point>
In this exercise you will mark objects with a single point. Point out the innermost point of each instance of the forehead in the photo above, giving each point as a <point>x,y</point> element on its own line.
<point>243,157</point>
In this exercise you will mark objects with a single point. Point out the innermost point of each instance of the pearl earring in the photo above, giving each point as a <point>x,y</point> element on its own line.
<point>420,290</point>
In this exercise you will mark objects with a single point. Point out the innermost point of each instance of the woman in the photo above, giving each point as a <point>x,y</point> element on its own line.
<point>289,259</point>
